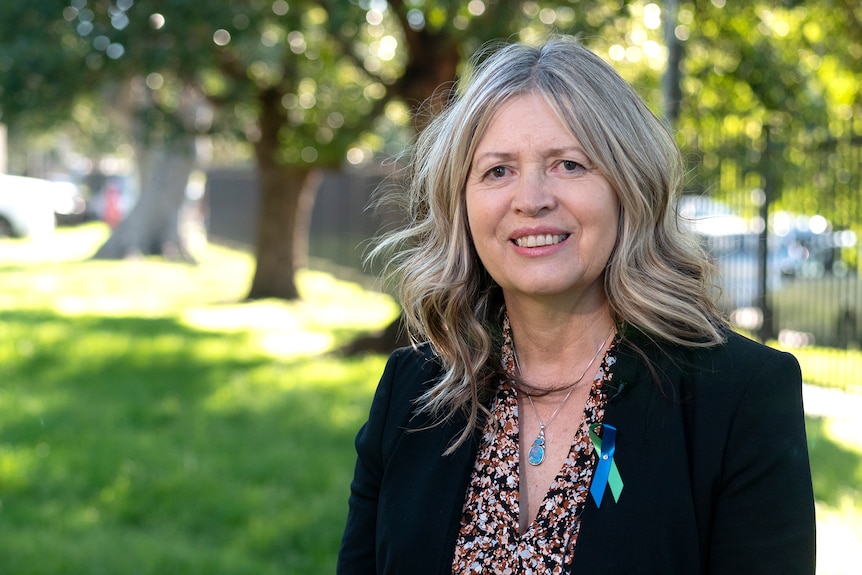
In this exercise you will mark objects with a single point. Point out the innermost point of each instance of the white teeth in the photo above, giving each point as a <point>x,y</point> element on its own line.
<point>539,241</point>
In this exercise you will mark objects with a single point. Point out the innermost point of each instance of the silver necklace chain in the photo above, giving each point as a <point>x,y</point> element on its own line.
<point>537,452</point>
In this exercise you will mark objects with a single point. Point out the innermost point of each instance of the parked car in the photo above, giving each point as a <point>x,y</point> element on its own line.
<point>70,207</point>
<point>820,302</point>
<point>815,297</point>
<point>26,206</point>
<point>732,247</point>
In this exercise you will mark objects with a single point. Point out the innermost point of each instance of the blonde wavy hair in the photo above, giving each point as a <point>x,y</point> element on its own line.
<point>657,278</point>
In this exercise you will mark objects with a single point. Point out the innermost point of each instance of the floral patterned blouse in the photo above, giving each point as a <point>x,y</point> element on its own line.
<point>490,540</point>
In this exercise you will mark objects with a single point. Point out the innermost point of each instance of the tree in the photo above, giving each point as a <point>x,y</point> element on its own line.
<point>37,91</point>
<point>439,36</point>
<point>163,136</point>
<point>311,103</point>
<point>274,78</point>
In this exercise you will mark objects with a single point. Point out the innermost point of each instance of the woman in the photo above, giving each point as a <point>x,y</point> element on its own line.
<point>579,406</point>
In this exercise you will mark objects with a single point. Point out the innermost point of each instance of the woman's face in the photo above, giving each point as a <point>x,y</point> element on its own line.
<point>542,216</point>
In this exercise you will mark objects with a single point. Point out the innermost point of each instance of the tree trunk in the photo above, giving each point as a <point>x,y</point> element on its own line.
<point>153,225</point>
<point>286,197</point>
<point>281,246</point>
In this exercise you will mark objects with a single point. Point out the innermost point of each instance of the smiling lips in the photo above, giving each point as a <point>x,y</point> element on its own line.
<point>539,240</point>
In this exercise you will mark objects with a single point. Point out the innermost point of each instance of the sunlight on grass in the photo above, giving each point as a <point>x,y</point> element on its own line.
<point>848,432</point>
<point>835,446</point>
<point>839,368</point>
<point>54,275</point>
<point>305,327</point>
<point>839,538</point>
<point>67,244</point>
<point>140,287</point>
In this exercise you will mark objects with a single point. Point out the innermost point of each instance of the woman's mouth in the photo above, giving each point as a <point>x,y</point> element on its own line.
<point>540,240</point>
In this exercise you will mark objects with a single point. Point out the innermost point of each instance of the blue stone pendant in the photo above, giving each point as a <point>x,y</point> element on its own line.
<point>537,451</point>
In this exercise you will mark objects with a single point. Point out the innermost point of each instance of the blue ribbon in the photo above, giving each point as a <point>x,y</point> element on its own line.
<point>606,473</point>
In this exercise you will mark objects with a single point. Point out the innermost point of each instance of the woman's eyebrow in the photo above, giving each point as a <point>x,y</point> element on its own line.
<point>556,151</point>
<point>493,156</point>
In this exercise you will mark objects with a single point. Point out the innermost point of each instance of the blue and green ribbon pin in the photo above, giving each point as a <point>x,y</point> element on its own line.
<point>606,473</point>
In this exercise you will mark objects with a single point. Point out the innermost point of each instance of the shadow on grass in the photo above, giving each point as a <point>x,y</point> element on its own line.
<point>135,445</point>
<point>836,470</point>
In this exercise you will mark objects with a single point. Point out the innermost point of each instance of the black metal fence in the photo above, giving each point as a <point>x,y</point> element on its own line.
<point>783,225</point>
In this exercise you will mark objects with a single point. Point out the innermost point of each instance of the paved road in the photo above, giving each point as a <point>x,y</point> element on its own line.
<point>839,530</point>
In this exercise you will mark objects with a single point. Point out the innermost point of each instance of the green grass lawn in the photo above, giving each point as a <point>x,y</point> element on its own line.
<point>151,424</point>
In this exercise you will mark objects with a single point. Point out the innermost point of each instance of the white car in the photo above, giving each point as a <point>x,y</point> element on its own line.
<point>26,207</point>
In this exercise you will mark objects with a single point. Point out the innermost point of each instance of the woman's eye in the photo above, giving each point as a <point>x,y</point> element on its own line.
<point>571,166</point>
<point>497,172</point>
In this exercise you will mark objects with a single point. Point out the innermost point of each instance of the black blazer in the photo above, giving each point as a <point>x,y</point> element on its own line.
<point>714,462</point>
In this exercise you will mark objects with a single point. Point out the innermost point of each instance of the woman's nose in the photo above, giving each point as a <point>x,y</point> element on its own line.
<point>533,194</point>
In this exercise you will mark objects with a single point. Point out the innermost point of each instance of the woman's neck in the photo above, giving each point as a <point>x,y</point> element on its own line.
<point>553,345</point>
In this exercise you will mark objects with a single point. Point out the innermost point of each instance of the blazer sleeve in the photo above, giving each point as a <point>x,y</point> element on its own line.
<point>408,371</point>
<point>763,518</point>
<point>357,553</point>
